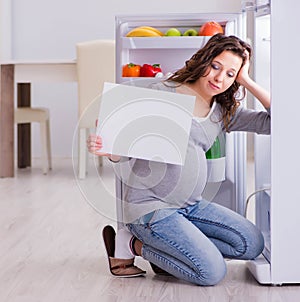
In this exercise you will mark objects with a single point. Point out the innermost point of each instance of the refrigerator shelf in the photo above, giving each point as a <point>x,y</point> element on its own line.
<point>184,42</point>
<point>131,79</point>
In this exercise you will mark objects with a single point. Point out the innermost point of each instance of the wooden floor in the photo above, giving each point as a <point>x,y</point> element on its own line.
<point>51,247</point>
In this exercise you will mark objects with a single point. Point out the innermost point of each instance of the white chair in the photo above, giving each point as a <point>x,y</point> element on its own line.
<point>26,115</point>
<point>95,65</point>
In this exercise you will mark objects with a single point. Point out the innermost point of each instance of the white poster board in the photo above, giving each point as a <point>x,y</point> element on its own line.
<point>145,123</point>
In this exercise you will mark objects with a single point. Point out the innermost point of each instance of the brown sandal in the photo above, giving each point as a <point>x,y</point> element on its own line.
<point>118,267</point>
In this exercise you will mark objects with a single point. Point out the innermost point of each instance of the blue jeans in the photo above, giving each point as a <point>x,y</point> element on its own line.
<point>190,242</point>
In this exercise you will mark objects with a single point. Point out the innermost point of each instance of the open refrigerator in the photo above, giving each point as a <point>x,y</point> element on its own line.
<point>171,53</point>
<point>252,23</point>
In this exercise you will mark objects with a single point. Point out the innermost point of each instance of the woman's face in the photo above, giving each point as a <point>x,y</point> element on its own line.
<point>221,75</point>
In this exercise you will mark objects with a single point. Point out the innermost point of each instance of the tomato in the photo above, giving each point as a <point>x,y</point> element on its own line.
<point>210,28</point>
<point>131,70</point>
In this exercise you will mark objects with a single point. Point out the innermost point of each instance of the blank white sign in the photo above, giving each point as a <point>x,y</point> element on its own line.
<point>145,123</point>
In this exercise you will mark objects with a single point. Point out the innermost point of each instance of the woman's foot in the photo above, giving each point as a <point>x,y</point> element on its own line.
<point>124,268</point>
<point>118,267</point>
<point>159,271</point>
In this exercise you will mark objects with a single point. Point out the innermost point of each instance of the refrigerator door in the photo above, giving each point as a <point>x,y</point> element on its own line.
<point>261,267</point>
<point>277,167</point>
<point>171,53</point>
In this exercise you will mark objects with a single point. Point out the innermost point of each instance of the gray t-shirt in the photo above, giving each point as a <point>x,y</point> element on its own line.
<point>150,185</point>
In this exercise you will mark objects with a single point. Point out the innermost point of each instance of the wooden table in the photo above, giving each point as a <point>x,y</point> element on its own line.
<point>23,74</point>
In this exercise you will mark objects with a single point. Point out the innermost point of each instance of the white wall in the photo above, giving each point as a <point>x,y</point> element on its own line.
<point>5,29</point>
<point>44,30</point>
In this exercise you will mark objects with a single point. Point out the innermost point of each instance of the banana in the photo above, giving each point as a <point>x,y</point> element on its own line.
<point>143,32</point>
<point>154,29</point>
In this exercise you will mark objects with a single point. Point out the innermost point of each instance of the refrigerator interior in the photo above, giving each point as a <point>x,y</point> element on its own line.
<point>171,53</point>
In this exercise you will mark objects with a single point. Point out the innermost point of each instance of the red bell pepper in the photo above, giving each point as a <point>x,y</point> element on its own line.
<point>148,70</point>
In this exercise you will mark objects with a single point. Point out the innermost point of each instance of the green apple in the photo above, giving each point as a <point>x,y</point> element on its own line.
<point>173,32</point>
<point>190,32</point>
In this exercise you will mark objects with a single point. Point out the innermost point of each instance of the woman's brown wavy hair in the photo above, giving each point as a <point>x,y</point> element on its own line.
<point>199,66</point>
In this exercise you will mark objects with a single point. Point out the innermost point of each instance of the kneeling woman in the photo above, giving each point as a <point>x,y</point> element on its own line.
<point>170,224</point>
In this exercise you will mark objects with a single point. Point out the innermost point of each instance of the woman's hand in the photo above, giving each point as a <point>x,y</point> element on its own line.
<point>257,91</point>
<point>94,145</point>
<point>243,75</point>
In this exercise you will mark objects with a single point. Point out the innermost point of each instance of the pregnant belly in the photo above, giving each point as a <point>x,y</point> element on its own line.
<point>181,184</point>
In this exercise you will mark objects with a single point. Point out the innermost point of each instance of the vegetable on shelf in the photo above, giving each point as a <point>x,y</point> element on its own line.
<point>131,70</point>
<point>148,70</point>
<point>215,150</point>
